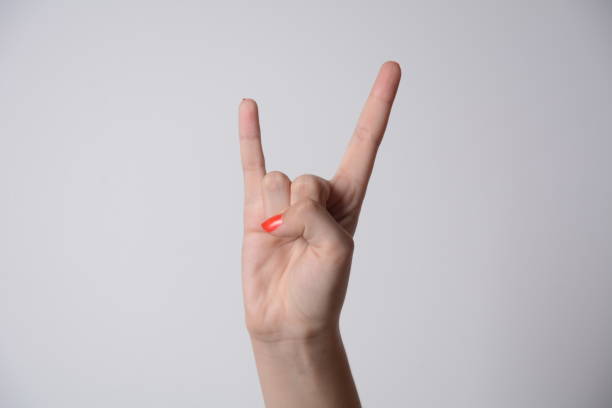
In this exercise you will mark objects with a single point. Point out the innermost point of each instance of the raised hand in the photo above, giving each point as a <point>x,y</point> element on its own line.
<point>297,250</point>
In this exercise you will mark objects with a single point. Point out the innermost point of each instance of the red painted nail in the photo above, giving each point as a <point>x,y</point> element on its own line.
<point>272,223</point>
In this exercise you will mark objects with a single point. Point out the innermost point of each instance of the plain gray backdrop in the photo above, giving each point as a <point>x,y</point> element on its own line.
<point>483,265</point>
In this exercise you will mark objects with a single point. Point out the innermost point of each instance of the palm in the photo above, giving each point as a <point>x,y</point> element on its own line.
<point>288,285</point>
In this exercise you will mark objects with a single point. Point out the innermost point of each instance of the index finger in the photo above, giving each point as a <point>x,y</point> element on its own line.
<point>251,152</point>
<point>358,161</point>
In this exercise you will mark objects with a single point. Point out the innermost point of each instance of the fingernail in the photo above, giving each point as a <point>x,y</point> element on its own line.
<point>272,223</point>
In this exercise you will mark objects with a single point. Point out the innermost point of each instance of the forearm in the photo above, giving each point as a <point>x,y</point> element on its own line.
<point>305,373</point>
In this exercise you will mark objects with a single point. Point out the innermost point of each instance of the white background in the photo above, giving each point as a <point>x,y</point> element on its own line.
<point>483,267</point>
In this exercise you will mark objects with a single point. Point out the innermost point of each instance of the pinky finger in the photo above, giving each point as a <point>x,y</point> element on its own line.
<point>251,151</point>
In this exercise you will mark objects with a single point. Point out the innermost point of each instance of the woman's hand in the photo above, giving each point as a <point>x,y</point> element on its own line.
<point>296,255</point>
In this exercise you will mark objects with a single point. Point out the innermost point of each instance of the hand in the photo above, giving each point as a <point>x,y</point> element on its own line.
<point>295,277</point>
<point>298,235</point>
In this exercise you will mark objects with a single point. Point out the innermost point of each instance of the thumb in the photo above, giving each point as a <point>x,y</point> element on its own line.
<point>308,219</point>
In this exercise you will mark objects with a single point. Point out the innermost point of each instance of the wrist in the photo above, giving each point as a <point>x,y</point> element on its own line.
<point>313,370</point>
<point>285,332</point>
<point>300,347</point>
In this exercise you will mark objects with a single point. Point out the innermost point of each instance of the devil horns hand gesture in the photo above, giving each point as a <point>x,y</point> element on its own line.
<point>296,257</point>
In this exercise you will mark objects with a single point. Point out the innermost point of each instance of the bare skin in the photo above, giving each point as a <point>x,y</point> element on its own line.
<point>295,276</point>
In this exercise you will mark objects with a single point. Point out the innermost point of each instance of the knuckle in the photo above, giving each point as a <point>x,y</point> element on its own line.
<point>350,242</point>
<point>347,242</point>
<point>306,178</point>
<point>275,180</point>
<point>304,183</point>
<point>306,205</point>
<point>365,134</point>
<point>341,247</point>
<point>310,184</point>
<point>251,164</point>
